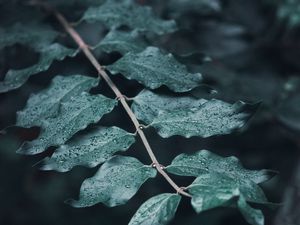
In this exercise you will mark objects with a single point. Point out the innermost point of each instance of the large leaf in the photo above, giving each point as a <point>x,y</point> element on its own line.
<point>45,104</point>
<point>204,161</point>
<point>187,116</point>
<point>16,78</point>
<point>158,210</point>
<point>153,69</point>
<point>117,13</point>
<point>30,34</point>
<point>212,190</point>
<point>74,115</point>
<point>122,41</point>
<point>115,183</point>
<point>90,149</point>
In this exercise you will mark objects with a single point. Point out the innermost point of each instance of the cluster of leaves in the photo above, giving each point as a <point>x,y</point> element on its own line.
<point>67,107</point>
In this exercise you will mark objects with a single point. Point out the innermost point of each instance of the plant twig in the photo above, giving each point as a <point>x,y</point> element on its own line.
<point>100,69</point>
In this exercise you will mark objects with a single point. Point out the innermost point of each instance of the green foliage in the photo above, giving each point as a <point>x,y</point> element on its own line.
<point>46,103</point>
<point>114,13</point>
<point>153,69</point>
<point>115,183</point>
<point>90,149</point>
<point>16,78</point>
<point>74,115</point>
<point>65,111</point>
<point>158,210</point>
<point>187,116</point>
<point>122,41</point>
<point>289,10</point>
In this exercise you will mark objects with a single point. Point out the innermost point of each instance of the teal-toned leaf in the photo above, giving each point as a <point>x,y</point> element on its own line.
<point>190,6</point>
<point>117,13</point>
<point>213,190</point>
<point>115,183</point>
<point>45,104</point>
<point>153,69</point>
<point>16,78</point>
<point>289,10</point>
<point>187,116</point>
<point>122,41</point>
<point>29,34</point>
<point>90,149</point>
<point>204,161</point>
<point>252,216</point>
<point>74,115</point>
<point>158,210</point>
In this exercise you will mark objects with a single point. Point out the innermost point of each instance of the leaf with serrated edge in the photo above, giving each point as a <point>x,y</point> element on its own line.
<point>16,78</point>
<point>187,116</point>
<point>45,104</point>
<point>153,69</point>
<point>158,210</point>
<point>205,161</point>
<point>117,13</point>
<point>115,183</point>
<point>90,149</point>
<point>74,115</point>
<point>122,41</point>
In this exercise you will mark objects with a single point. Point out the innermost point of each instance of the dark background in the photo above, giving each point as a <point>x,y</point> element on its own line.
<point>245,49</point>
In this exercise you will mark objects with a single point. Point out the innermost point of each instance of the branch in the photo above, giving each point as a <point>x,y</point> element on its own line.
<point>89,55</point>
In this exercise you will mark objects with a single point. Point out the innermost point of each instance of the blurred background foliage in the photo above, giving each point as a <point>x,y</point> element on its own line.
<point>246,50</point>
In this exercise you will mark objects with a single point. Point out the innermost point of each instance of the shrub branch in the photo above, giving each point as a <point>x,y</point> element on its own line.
<point>102,73</point>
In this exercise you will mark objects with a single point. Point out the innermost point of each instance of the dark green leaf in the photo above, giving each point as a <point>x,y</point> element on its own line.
<point>158,210</point>
<point>187,116</point>
<point>115,183</point>
<point>199,6</point>
<point>74,115</point>
<point>153,69</point>
<point>204,161</point>
<point>116,13</point>
<point>16,78</point>
<point>45,104</point>
<point>90,149</point>
<point>32,34</point>
<point>122,41</point>
<point>212,190</point>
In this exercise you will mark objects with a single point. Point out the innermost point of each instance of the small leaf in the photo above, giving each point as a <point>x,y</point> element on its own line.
<point>204,161</point>
<point>90,149</point>
<point>31,34</point>
<point>16,78</point>
<point>158,210</point>
<point>251,215</point>
<point>122,41</point>
<point>153,69</point>
<point>187,116</point>
<point>45,104</point>
<point>117,13</point>
<point>74,115</point>
<point>115,183</point>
